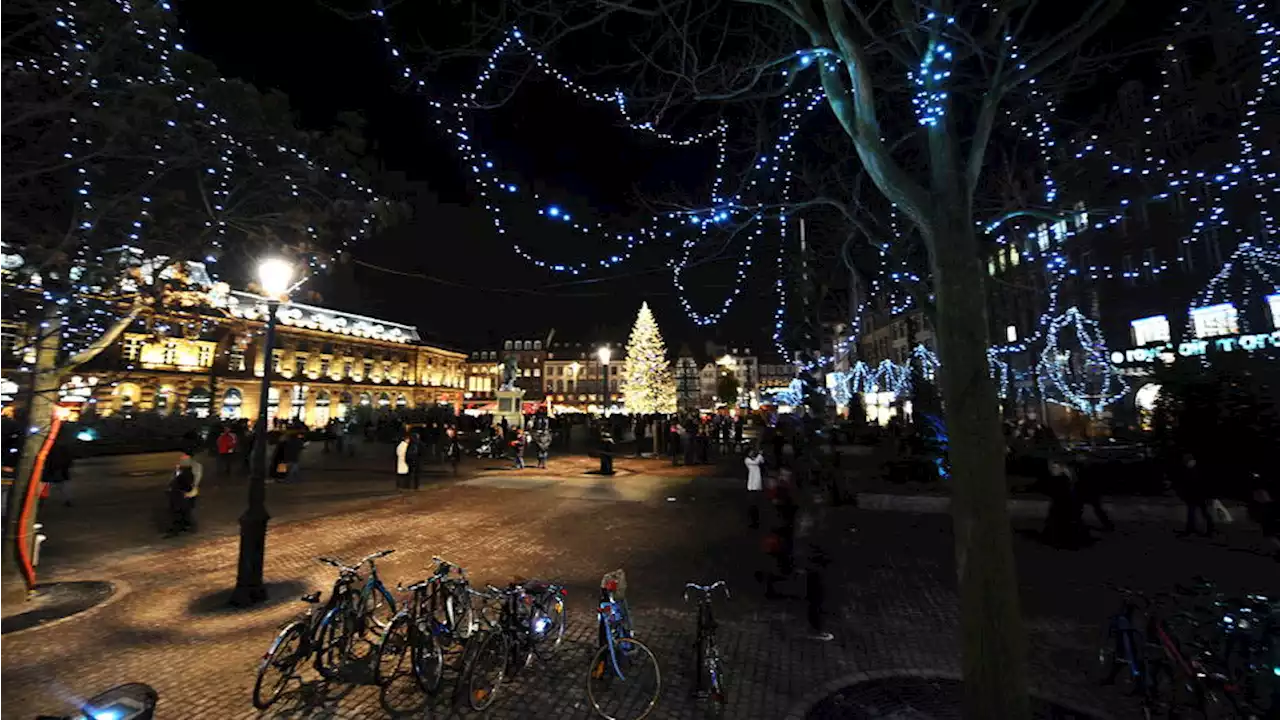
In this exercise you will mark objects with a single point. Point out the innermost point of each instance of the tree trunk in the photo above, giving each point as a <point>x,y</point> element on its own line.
<point>992,633</point>
<point>40,406</point>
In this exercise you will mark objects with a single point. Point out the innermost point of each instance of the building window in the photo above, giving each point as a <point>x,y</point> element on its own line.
<point>299,365</point>
<point>1011,333</point>
<point>368,369</point>
<point>537,372</point>
<point>276,355</point>
<point>528,345</point>
<point>204,355</point>
<point>347,367</point>
<point>170,353</point>
<point>1273,302</point>
<point>1060,230</point>
<point>1148,330</point>
<point>1215,320</point>
<point>506,345</point>
<point>537,344</point>
<point>132,345</point>
<point>1082,216</point>
<point>324,367</point>
<point>1042,237</point>
<point>235,363</point>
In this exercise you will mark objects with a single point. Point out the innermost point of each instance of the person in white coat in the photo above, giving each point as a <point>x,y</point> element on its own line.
<point>402,462</point>
<point>755,484</point>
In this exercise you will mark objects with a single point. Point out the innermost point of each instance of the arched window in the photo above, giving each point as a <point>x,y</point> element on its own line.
<point>273,402</point>
<point>344,406</point>
<point>506,345</point>
<point>198,402</point>
<point>384,400</point>
<point>366,399</point>
<point>321,415</point>
<point>401,401</point>
<point>232,401</point>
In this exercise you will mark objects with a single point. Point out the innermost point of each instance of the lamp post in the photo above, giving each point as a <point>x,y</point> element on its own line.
<point>604,353</point>
<point>274,274</point>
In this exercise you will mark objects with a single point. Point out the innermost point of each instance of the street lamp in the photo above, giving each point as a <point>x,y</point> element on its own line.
<point>604,353</point>
<point>274,275</point>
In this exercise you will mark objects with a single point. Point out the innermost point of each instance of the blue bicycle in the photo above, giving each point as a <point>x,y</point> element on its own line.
<point>366,604</point>
<point>1122,652</point>
<point>623,679</point>
<point>324,634</point>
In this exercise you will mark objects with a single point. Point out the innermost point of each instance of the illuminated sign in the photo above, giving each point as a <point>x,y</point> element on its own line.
<point>1197,348</point>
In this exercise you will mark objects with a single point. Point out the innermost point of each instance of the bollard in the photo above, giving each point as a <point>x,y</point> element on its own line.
<point>36,543</point>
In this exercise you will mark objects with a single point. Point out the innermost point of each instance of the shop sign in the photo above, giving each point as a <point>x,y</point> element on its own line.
<point>1198,348</point>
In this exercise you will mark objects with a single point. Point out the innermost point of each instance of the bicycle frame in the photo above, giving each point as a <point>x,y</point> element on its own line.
<point>706,637</point>
<point>615,625</point>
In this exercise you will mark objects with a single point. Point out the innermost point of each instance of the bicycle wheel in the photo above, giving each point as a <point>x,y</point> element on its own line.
<point>548,629</point>
<point>428,659</point>
<point>393,649</point>
<point>486,670</point>
<point>624,684</point>
<point>715,677</point>
<point>278,665</point>
<point>462,614</point>
<point>334,641</point>
<point>1122,665</point>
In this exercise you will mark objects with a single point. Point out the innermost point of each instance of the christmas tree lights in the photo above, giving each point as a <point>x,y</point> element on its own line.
<point>647,386</point>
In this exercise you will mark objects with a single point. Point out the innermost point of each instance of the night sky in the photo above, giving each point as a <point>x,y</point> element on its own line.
<point>565,148</point>
<point>328,64</point>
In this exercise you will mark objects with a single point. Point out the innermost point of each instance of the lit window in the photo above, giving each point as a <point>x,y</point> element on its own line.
<point>1273,301</point>
<point>236,361</point>
<point>132,347</point>
<point>204,355</point>
<point>170,353</point>
<point>1042,237</point>
<point>1060,230</point>
<point>1215,320</point>
<point>1148,330</point>
<point>1014,258</point>
<point>1082,216</point>
<point>1011,333</point>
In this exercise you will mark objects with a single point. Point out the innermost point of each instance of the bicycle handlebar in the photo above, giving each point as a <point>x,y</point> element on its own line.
<point>353,568</point>
<point>448,565</point>
<point>706,589</point>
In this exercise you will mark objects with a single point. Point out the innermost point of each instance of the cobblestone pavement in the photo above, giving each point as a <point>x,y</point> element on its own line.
<point>892,607</point>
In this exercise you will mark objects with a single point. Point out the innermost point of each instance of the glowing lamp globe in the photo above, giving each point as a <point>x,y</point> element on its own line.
<point>604,353</point>
<point>275,274</point>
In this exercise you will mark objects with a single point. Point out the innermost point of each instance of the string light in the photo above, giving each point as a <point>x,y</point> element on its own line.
<point>1093,383</point>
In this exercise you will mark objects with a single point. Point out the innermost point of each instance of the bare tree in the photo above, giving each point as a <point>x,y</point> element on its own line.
<point>918,91</point>
<point>126,160</point>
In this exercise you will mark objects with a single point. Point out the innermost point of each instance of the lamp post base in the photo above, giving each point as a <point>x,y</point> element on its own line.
<point>250,588</point>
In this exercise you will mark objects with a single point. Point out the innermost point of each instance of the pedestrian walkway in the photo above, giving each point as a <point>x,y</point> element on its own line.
<point>892,604</point>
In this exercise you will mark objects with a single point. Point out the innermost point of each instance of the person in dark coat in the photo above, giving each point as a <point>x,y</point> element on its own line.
<point>1189,484</point>
<point>285,461</point>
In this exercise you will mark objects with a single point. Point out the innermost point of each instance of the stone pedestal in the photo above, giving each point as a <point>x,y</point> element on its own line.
<point>511,407</point>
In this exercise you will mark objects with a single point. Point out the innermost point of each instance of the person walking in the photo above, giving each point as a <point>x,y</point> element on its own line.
<point>544,447</point>
<point>518,446</point>
<point>453,449</point>
<point>402,462</point>
<point>1189,484</point>
<point>226,447</point>
<point>288,456</point>
<point>811,542</point>
<point>673,442</point>
<point>415,455</point>
<point>184,488</point>
<point>755,485</point>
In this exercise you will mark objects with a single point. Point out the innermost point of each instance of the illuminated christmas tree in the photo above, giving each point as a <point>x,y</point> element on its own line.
<point>648,384</point>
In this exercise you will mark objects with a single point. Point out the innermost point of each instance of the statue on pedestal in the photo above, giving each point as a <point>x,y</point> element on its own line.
<point>510,371</point>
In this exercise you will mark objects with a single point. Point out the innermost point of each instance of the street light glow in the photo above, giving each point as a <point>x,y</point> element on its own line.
<point>275,274</point>
<point>605,353</point>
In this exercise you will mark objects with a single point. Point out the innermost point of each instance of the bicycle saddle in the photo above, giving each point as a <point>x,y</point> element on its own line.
<point>311,597</point>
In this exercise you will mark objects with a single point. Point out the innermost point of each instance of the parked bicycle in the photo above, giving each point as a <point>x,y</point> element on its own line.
<point>296,642</point>
<point>366,603</point>
<point>623,678</point>
<point>531,622</point>
<point>437,616</point>
<point>708,667</point>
